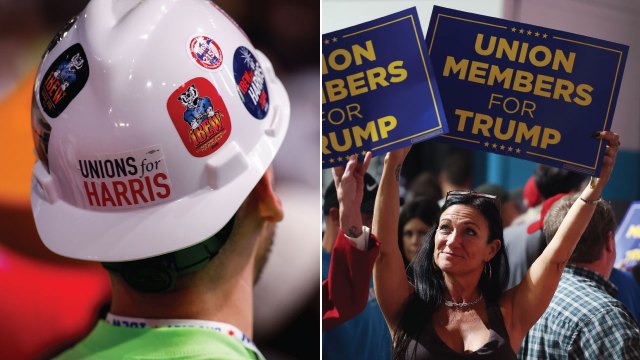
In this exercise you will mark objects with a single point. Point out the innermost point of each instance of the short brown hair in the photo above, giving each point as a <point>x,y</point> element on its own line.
<point>595,236</point>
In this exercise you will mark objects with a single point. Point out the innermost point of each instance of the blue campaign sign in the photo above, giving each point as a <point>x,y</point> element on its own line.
<point>523,90</point>
<point>378,89</point>
<point>628,238</point>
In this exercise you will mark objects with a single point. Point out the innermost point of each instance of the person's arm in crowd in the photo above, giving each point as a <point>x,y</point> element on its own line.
<point>349,182</point>
<point>345,293</point>
<point>346,290</point>
<point>536,290</point>
<point>613,335</point>
<point>389,274</point>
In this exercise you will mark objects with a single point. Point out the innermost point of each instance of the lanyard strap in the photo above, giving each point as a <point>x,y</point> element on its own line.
<point>130,322</point>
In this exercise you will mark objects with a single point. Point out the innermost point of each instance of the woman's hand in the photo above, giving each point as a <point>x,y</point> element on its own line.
<point>611,152</point>
<point>397,156</point>
<point>349,182</point>
<point>389,274</point>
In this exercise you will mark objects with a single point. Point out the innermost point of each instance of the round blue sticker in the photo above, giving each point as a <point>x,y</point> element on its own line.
<point>250,82</point>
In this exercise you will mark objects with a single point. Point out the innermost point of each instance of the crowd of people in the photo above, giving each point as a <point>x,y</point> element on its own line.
<point>480,258</point>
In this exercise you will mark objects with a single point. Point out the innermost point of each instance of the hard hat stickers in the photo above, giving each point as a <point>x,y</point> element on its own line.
<point>63,80</point>
<point>205,52</point>
<point>251,83</point>
<point>200,116</point>
<point>133,179</point>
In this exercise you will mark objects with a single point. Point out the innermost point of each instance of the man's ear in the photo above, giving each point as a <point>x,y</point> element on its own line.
<point>611,242</point>
<point>269,205</point>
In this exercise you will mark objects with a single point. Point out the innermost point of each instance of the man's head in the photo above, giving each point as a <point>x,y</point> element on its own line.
<point>128,169</point>
<point>269,212</point>
<point>252,227</point>
<point>509,209</point>
<point>597,243</point>
<point>330,206</point>
<point>456,172</point>
<point>551,181</point>
<point>424,186</point>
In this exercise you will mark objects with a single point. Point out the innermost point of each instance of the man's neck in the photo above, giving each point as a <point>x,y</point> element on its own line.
<point>599,266</point>
<point>228,301</point>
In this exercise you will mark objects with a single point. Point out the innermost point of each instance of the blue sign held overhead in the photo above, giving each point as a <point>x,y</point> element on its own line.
<point>525,91</point>
<point>378,89</point>
<point>628,238</point>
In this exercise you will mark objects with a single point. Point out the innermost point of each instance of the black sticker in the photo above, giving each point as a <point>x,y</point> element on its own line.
<point>63,80</point>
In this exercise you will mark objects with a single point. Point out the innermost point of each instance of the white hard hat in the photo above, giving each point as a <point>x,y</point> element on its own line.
<point>153,120</point>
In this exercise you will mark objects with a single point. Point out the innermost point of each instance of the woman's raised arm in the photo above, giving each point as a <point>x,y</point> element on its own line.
<point>536,290</point>
<point>345,292</point>
<point>389,275</point>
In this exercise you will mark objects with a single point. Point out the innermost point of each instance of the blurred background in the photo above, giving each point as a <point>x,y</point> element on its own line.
<point>51,302</point>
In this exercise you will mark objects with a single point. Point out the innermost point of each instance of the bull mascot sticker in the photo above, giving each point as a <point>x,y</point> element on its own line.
<point>197,108</point>
<point>66,72</point>
<point>200,116</point>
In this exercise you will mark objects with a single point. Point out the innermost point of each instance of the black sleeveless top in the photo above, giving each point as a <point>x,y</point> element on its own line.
<point>430,346</point>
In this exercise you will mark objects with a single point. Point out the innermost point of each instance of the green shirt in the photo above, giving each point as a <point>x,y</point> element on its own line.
<point>114,342</point>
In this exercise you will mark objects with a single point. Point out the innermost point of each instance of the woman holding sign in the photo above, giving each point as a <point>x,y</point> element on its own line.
<point>457,305</point>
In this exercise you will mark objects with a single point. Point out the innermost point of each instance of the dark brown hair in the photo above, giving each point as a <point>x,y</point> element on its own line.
<point>595,236</point>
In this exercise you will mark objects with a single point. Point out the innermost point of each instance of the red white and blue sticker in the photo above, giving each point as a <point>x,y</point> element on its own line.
<point>63,80</point>
<point>250,82</point>
<point>200,116</point>
<point>205,52</point>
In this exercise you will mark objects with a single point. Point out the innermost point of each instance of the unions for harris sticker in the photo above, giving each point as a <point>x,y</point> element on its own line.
<point>134,179</point>
<point>63,80</point>
<point>200,116</point>
<point>251,83</point>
